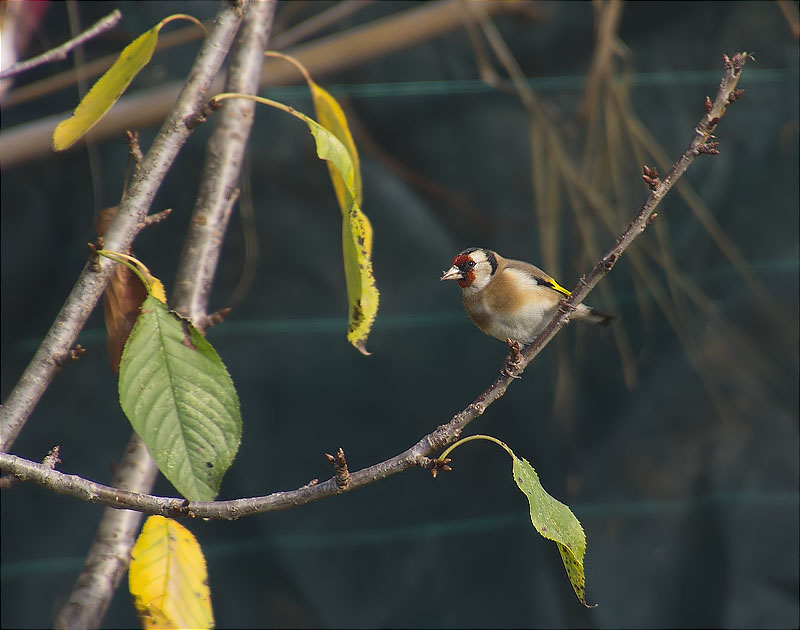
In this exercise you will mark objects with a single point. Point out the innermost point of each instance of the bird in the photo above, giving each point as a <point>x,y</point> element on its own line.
<point>511,300</point>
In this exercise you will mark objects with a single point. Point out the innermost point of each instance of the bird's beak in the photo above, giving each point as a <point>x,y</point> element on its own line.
<point>454,273</point>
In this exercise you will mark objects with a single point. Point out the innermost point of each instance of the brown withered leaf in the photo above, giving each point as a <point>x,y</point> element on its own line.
<point>121,301</point>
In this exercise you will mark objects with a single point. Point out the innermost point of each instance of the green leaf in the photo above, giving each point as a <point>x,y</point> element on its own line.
<point>107,90</point>
<point>551,518</point>
<point>181,401</point>
<point>556,522</point>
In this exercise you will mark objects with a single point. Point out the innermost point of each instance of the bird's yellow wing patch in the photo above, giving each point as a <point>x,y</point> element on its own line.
<point>549,282</point>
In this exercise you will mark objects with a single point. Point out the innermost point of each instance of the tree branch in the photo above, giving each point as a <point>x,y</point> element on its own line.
<point>418,454</point>
<point>702,143</point>
<point>61,52</point>
<point>133,209</point>
<point>109,556</point>
<point>222,169</point>
<point>361,44</point>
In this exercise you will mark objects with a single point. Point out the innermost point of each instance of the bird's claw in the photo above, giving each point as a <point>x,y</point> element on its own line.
<point>513,360</point>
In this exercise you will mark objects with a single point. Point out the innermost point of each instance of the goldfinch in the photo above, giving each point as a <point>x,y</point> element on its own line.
<point>511,299</point>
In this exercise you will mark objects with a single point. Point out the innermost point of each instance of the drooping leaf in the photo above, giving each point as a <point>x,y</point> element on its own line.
<point>331,116</point>
<point>361,290</point>
<point>122,298</point>
<point>356,228</point>
<point>107,90</point>
<point>180,399</point>
<point>345,174</point>
<point>551,518</point>
<point>356,237</point>
<point>109,87</point>
<point>168,578</point>
<point>556,522</point>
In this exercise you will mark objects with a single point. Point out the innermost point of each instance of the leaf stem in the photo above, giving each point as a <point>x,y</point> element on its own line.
<point>181,16</point>
<point>278,55</point>
<point>470,439</point>
<point>131,263</point>
<point>263,101</point>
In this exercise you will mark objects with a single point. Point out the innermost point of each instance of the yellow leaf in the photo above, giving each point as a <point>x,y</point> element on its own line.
<point>107,90</point>
<point>361,290</point>
<point>345,174</point>
<point>156,288</point>
<point>356,238</point>
<point>168,579</point>
<point>330,115</point>
<point>356,228</point>
<point>109,87</point>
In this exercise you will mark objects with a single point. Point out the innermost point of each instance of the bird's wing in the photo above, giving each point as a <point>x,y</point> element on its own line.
<point>538,275</point>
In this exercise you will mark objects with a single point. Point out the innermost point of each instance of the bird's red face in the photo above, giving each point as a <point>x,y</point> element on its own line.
<point>462,271</point>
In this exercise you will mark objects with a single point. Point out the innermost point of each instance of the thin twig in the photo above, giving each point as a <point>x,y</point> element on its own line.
<point>167,41</point>
<point>702,143</point>
<point>357,45</point>
<point>51,460</point>
<point>61,52</point>
<point>44,87</point>
<point>342,474</point>
<point>419,454</point>
<point>157,217</point>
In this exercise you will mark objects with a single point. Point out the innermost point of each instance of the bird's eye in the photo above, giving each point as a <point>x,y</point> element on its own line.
<point>470,264</point>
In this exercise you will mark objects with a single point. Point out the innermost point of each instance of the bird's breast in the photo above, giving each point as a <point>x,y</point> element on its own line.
<point>510,316</point>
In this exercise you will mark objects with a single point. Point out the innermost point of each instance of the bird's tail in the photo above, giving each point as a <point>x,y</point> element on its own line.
<point>593,316</point>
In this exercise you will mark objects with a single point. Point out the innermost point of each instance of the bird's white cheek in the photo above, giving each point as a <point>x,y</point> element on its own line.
<point>478,283</point>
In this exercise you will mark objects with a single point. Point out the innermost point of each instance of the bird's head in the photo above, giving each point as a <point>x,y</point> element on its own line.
<point>473,268</point>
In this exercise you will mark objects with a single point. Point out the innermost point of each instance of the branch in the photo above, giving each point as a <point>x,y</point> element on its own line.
<point>129,221</point>
<point>358,45</point>
<point>61,52</point>
<point>109,555</point>
<point>166,41</point>
<point>50,460</point>
<point>702,143</point>
<point>418,454</point>
<point>222,169</point>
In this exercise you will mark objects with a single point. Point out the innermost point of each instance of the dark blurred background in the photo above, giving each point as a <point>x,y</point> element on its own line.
<point>673,435</point>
